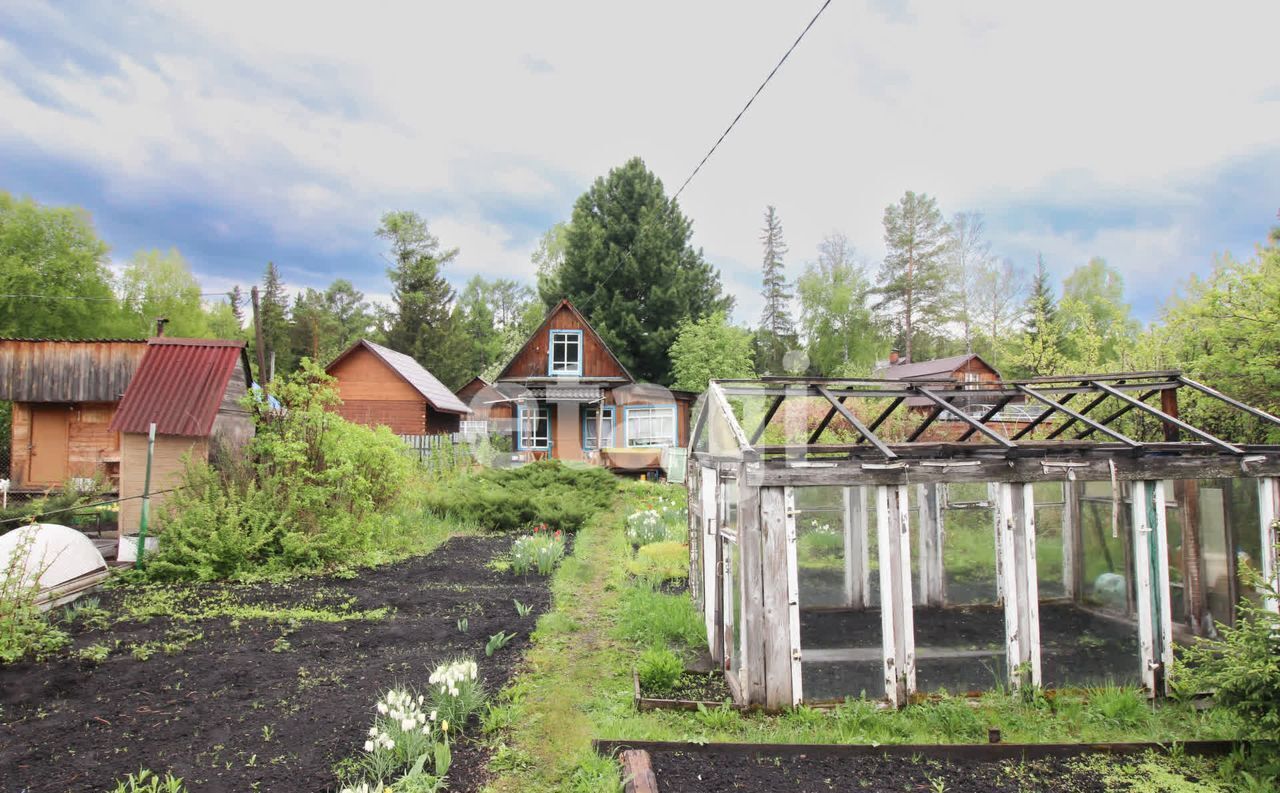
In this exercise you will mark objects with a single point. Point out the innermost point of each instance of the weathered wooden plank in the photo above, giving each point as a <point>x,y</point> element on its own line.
<point>933,581</point>
<point>1029,606</point>
<point>1072,542</point>
<point>793,600</point>
<point>776,625</point>
<point>1092,468</point>
<point>857,568</point>
<point>1269,513</point>
<point>637,772</point>
<point>905,618</point>
<point>1163,600</point>
<point>885,545</point>
<point>1141,571</point>
<point>754,625</point>
<point>1006,520</point>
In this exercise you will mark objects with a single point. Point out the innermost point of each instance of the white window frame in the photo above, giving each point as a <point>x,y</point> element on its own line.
<point>638,413</point>
<point>589,423</point>
<point>562,338</point>
<point>531,417</point>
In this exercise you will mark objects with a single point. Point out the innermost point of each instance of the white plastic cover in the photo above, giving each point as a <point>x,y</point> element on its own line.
<point>57,554</point>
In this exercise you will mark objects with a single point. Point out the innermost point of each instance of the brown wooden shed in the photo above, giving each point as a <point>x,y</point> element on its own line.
<point>382,387</point>
<point>65,394</point>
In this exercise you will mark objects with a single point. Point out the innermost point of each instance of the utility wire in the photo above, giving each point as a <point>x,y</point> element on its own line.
<point>627,253</point>
<point>87,297</point>
<point>745,107</point>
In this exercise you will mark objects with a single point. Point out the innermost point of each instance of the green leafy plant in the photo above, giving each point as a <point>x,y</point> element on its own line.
<point>94,653</point>
<point>539,552</point>
<point>309,489</point>
<point>522,609</point>
<point>497,641</point>
<point>88,611</point>
<point>463,625</point>
<point>1242,667</point>
<point>147,781</point>
<point>659,669</point>
<point>1117,707</point>
<point>545,492</point>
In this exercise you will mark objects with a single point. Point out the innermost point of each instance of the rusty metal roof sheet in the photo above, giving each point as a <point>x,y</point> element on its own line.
<point>64,370</point>
<point>179,386</point>
<point>413,373</point>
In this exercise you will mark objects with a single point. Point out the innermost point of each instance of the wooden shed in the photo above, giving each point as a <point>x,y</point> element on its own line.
<point>65,394</point>
<point>382,387</point>
<point>191,389</point>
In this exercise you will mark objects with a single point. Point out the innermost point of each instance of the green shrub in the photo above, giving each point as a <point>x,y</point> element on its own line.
<point>309,490</point>
<point>1242,667</point>
<point>546,492</point>
<point>659,670</point>
<point>651,618</point>
<point>661,561</point>
<point>540,552</point>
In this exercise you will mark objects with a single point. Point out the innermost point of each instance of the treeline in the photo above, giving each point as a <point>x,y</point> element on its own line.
<point>940,290</point>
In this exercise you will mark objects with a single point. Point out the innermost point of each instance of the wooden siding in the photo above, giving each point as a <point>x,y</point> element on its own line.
<point>373,394</point>
<point>403,416</point>
<point>233,426</point>
<point>92,449</point>
<point>532,360</point>
<point>167,467</point>
<point>67,371</point>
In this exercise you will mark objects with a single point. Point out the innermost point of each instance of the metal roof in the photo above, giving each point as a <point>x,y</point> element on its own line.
<point>65,370</point>
<point>179,386</point>
<point>437,395</point>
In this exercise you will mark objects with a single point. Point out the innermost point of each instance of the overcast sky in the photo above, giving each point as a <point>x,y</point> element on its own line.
<point>1146,133</point>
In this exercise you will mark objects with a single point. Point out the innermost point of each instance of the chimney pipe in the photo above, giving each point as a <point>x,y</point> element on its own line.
<point>160,323</point>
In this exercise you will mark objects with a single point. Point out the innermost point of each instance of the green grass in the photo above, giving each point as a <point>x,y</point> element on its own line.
<point>577,687</point>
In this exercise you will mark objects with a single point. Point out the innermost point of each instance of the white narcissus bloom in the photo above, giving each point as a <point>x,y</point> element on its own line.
<point>433,715</point>
<point>368,746</point>
<point>382,708</point>
<point>407,724</point>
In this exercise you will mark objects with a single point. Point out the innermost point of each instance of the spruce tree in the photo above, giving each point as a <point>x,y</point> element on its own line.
<point>629,267</point>
<point>777,330</point>
<point>273,314</point>
<point>236,298</point>
<point>913,279</point>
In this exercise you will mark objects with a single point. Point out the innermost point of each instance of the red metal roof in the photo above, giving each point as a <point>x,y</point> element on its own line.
<point>179,386</point>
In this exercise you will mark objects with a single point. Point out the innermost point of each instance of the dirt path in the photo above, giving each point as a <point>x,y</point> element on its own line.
<point>254,704</point>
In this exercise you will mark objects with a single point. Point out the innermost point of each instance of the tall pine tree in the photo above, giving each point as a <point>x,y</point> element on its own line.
<point>777,330</point>
<point>913,278</point>
<point>423,323</point>
<point>629,267</point>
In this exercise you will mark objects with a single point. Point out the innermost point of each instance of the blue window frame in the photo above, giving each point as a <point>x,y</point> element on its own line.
<point>564,353</point>
<point>589,428</point>
<point>650,425</point>
<point>533,427</point>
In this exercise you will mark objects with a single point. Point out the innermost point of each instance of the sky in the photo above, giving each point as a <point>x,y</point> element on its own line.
<point>239,132</point>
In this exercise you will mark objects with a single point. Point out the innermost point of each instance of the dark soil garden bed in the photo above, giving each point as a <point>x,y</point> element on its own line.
<point>258,705</point>
<point>957,769</point>
<point>691,688</point>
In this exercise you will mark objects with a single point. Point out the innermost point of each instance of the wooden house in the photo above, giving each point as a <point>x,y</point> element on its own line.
<point>574,400</point>
<point>380,386</point>
<point>972,373</point>
<point>192,390</point>
<point>64,395</point>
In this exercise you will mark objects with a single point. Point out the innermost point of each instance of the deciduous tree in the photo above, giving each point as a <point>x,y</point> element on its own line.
<point>835,317</point>
<point>707,349</point>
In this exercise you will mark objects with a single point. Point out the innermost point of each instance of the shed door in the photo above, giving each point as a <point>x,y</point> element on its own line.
<point>48,445</point>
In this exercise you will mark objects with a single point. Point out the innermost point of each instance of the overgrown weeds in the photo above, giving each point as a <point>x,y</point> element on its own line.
<point>25,630</point>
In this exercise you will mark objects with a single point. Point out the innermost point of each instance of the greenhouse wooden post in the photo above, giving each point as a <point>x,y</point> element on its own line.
<point>933,582</point>
<point>1024,554</point>
<point>776,615</point>
<point>893,525</point>
<point>1072,542</point>
<point>1005,521</point>
<point>857,570</point>
<point>1151,579</point>
<point>1269,513</point>
<point>755,627</point>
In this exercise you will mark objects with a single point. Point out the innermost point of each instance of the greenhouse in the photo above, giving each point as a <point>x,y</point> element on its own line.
<point>877,538</point>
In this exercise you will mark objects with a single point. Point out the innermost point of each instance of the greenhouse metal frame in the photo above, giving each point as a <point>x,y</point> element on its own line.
<point>889,491</point>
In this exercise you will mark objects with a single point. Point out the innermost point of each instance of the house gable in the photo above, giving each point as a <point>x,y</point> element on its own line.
<point>534,358</point>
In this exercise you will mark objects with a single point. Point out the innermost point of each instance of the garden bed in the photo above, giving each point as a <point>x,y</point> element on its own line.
<point>693,688</point>
<point>245,702</point>
<point>720,768</point>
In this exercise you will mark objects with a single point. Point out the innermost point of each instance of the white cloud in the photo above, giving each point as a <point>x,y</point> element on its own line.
<point>316,118</point>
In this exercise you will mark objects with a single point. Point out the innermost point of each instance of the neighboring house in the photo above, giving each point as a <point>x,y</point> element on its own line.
<point>191,389</point>
<point>64,395</point>
<point>380,386</point>
<point>970,371</point>
<point>574,400</point>
<point>492,408</point>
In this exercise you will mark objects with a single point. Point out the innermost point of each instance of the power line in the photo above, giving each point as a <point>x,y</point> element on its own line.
<point>729,129</point>
<point>90,298</point>
<point>714,146</point>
